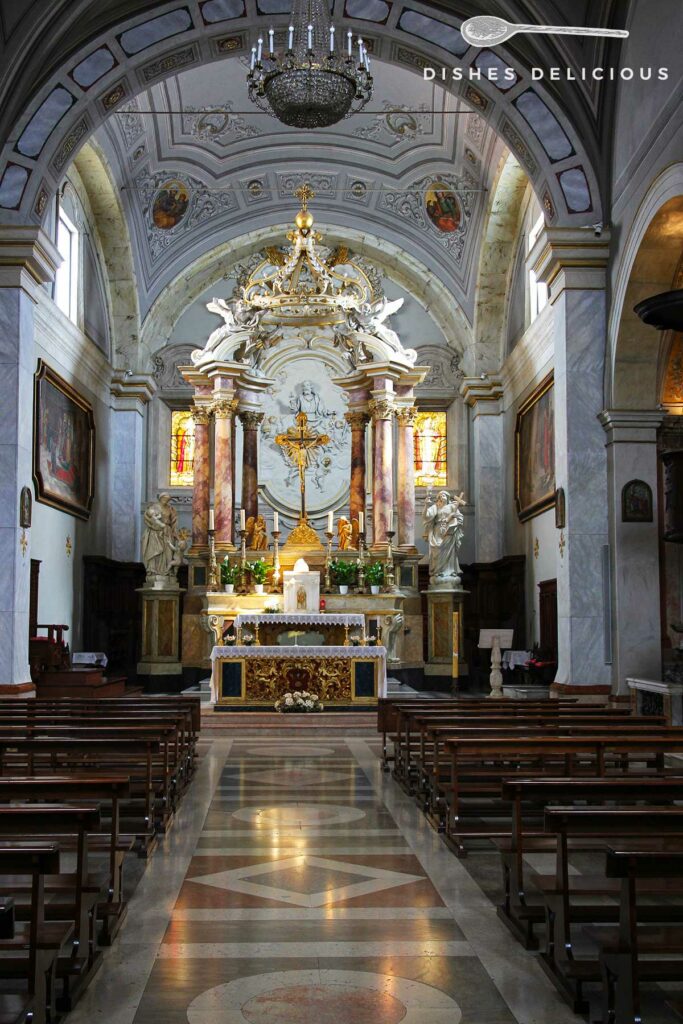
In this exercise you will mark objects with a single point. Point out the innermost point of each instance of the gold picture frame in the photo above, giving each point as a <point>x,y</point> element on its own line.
<point>535,452</point>
<point>63,445</point>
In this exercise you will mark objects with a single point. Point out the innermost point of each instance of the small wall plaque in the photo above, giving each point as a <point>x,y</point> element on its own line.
<point>636,502</point>
<point>560,509</point>
<point>25,508</point>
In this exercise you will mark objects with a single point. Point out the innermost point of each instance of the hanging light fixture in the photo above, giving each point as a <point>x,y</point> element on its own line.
<point>319,79</point>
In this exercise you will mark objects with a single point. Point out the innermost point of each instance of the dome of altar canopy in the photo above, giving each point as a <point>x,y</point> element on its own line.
<point>301,565</point>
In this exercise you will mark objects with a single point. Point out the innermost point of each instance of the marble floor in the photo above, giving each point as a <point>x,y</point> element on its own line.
<point>300,886</point>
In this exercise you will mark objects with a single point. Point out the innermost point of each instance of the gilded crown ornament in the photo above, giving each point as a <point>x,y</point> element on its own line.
<point>314,81</point>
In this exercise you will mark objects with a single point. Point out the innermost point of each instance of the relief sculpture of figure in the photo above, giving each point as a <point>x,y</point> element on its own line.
<point>161,547</point>
<point>443,531</point>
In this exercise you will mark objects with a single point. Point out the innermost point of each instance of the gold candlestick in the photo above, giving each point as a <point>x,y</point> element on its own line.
<point>213,564</point>
<point>389,577</point>
<point>276,562</point>
<point>360,588</point>
<point>328,562</point>
<point>243,562</point>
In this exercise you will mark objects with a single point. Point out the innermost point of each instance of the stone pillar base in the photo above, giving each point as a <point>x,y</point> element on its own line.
<point>160,631</point>
<point>445,619</point>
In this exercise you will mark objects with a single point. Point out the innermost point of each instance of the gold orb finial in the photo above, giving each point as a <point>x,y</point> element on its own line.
<point>304,220</point>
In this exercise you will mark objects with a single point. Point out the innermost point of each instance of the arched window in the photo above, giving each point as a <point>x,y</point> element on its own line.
<point>431,468</point>
<point>66,279</point>
<point>182,449</point>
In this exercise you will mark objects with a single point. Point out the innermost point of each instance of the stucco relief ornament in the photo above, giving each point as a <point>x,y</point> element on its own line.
<point>443,531</point>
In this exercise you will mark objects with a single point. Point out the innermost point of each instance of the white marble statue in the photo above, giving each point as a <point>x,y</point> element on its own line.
<point>369,319</point>
<point>443,531</point>
<point>162,547</point>
<point>239,319</point>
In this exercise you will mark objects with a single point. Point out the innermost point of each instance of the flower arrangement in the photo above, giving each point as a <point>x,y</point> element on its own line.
<point>301,701</point>
<point>272,605</point>
<point>230,574</point>
<point>258,570</point>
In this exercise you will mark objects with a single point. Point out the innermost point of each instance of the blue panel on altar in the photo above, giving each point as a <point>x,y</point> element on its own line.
<point>231,678</point>
<point>364,678</point>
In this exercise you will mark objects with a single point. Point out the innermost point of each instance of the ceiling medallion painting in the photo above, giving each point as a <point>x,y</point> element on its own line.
<point>443,208</point>
<point>170,204</point>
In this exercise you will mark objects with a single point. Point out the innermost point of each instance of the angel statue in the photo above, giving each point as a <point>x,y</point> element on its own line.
<point>370,319</point>
<point>443,522</point>
<point>238,316</point>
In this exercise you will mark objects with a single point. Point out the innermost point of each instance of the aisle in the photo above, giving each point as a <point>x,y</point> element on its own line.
<point>313,893</point>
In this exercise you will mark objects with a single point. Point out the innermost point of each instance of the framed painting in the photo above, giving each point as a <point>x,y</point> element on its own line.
<point>535,452</point>
<point>636,502</point>
<point>63,445</point>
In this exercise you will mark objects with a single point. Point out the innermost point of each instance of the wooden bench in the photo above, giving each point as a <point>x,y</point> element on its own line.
<point>571,973</point>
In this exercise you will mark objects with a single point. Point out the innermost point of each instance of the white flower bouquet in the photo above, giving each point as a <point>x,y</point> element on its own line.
<point>300,701</point>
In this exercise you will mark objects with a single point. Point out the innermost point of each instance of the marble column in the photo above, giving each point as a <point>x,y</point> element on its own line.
<point>251,421</point>
<point>573,264</point>
<point>29,260</point>
<point>129,399</point>
<point>485,399</point>
<point>201,493</point>
<point>358,421</point>
<point>405,476</point>
<point>224,414</point>
<point>636,622</point>
<point>382,412</point>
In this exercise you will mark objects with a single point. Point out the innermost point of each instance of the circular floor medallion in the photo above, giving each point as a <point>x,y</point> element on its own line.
<point>298,814</point>
<point>324,1004</point>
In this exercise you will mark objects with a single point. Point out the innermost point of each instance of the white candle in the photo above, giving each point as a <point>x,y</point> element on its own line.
<point>253,57</point>
<point>310,37</point>
<point>271,37</point>
<point>360,49</point>
<point>349,37</point>
<point>391,521</point>
<point>276,523</point>
<point>361,523</point>
<point>243,519</point>
<point>367,62</point>
<point>211,519</point>
<point>290,44</point>
<point>260,49</point>
<point>331,38</point>
<point>330,522</point>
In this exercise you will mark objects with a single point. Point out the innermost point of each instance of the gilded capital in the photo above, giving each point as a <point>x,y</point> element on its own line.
<point>201,417</point>
<point>406,416</point>
<point>381,408</point>
<point>251,420</point>
<point>224,408</point>
<point>357,420</point>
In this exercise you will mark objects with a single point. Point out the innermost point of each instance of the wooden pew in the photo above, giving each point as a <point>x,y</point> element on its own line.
<point>528,798</point>
<point>571,973</point>
<point>28,957</point>
<point>622,968</point>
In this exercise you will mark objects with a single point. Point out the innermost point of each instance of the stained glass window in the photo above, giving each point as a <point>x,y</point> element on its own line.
<point>182,449</point>
<point>431,468</point>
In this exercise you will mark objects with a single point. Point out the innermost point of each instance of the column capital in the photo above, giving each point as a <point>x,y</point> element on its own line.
<point>406,415</point>
<point>249,419</point>
<point>571,259</point>
<point>28,258</point>
<point>483,394</point>
<point>201,416</point>
<point>131,391</point>
<point>224,408</point>
<point>381,408</point>
<point>357,419</point>
<point>631,426</point>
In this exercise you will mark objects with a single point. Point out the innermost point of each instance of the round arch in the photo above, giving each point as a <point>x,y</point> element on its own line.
<point>396,264</point>
<point>51,125</point>
<point>652,257</point>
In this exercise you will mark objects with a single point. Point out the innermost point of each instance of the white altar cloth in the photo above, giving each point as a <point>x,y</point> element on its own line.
<point>252,651</point>
<point>300,619</point>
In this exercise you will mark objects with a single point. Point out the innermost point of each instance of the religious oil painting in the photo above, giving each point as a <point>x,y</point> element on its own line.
<point>636,502</point>
<point>535,452</point>
<point>182,449</point>
<point>443,207</point>
<point>430,441</point>
<point>170,204</point>
<point>63,445</point>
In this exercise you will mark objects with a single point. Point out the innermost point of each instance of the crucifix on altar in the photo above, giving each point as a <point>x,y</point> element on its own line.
<point>300,445</point>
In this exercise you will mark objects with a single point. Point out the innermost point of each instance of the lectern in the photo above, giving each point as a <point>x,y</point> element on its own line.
<point>496,640</point>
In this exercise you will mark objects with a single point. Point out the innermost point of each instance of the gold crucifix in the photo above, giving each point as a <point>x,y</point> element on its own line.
<point>298,444</point>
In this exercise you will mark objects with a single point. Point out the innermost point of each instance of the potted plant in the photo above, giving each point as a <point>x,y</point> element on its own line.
<point>229,575</point>
<point>374,574</point>
<point>259,571</point>
<point>343,574</point>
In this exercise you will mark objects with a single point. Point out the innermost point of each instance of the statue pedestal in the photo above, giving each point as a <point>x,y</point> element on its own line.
<point>445,617</point>
<point>160,631</point>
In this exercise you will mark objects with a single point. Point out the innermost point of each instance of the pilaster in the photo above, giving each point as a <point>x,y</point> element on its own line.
<point>130,394</point>
<point>484,396</point>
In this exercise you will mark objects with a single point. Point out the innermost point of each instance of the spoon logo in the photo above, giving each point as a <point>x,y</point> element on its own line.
<point>487,30</point>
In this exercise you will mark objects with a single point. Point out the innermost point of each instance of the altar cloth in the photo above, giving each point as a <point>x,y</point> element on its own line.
<point>300,619</point>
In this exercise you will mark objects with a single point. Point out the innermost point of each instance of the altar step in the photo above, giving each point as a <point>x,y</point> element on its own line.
<point>393,687</point>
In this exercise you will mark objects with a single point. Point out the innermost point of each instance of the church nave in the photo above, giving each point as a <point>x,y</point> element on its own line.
<point>300,885</point>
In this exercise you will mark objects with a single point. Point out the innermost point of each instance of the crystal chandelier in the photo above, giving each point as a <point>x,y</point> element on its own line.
<point>318,80</point>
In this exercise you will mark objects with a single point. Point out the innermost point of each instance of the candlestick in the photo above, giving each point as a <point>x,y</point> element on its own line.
<point>276,522</point>
<point>243,561</point>
<point>328,563</point>
<point>276,562</point>
<point>213,564</point>
<point>212,524</point>
<point>360,588</point>
<point>389,577</point>
<point>290,44</point>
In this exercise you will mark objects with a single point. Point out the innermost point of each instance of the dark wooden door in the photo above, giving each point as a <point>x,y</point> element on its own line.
<point>548,617</point>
